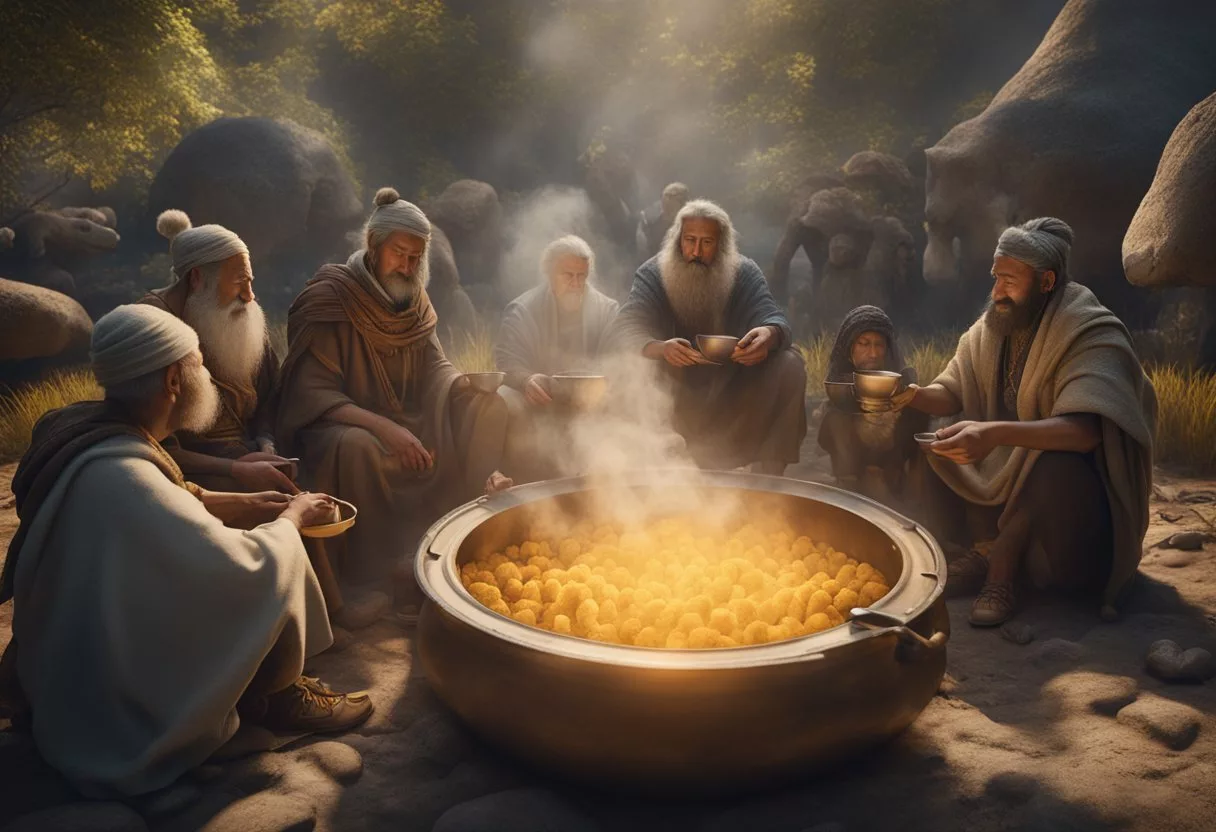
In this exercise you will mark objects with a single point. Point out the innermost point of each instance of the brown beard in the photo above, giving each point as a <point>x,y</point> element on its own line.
<point>1014,317</point>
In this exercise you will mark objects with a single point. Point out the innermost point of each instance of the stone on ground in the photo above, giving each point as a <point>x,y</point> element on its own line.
<point>1167,660</point>
<point>1170,723</point>
<point>37,323</point>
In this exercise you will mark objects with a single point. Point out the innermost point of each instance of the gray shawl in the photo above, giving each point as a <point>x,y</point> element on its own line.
<point>528,339</point>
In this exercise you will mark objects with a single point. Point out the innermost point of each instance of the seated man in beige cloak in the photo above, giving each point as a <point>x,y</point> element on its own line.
<point>212,291</point>
<point>561,325</point>
<point>145,631</point>
<point>752,409</point>
<point>1051,461</point>
<point>370,403</point>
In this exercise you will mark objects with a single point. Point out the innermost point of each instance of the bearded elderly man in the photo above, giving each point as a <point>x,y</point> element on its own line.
<point>563,324</point>
<point>753,409</point>
<point>212,291</point>
<point>378,414</point>
<point>148,631</point>
<point>1051,461</point>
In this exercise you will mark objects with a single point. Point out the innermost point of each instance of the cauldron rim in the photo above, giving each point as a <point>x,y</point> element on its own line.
<point>921,582</point>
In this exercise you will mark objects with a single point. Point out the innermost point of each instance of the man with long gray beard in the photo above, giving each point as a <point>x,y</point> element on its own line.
<point>753,409</point>
<point>1051,461</point>
<point>370,402</point>
<point>212,291</point>
<point>561,325</point>
<point>145,630</point>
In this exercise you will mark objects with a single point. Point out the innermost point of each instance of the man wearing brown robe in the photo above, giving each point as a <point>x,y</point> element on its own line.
<point>370,403</point>
<point>561,325</point>
<point>753,408</point>
<point>212,291</point>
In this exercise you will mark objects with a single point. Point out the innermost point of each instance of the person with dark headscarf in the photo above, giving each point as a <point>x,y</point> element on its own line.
<point>870,451</point>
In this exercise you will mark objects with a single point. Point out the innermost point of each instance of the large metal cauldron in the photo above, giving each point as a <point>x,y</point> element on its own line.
<point>687,719</point>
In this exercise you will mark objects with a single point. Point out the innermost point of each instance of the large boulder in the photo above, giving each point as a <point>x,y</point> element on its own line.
<point>280,186</point>
<point>1169,241</point>
<point>1075,134</point>
<point>40,323</point>
<point>456,314</point>
<point>47,248</point>
<point>471,216</point>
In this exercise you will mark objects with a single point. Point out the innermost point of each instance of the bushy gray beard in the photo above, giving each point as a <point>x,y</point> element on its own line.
<point>199,404</point>
<point>697,292</point>
<point>1017,317</point>
<point>399,287</point>
<point>233,337</point>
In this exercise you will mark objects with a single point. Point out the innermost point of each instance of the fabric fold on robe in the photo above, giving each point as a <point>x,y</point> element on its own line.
<point>1081,361</point>
<point>350,345</point>
<point>729,415</point>
<point>142,620</point>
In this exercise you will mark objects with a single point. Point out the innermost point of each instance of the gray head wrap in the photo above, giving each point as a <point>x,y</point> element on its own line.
<point>194,247</point>
<point>1041,243</point>
<point>137,339</point>
<point>395,214</point>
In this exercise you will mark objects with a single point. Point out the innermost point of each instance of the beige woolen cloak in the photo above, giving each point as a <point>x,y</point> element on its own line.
<point>1081,361</point>
<point>142,619</point>
<point>349,345</point>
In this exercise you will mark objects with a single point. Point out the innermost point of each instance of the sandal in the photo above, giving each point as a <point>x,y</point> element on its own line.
<point>967,574</point>
<point>993,606</point>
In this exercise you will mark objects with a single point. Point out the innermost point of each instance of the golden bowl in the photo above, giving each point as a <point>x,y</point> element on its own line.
<point>348,512</point>
<point>717,348</point>
<point>486,382</point>
<point>582,391</point>
<point>876,384</point>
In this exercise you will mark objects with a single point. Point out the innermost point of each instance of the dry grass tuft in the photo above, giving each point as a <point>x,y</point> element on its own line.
<point>22,408</point>
<point>1186,417</point>
<point>473,352</point>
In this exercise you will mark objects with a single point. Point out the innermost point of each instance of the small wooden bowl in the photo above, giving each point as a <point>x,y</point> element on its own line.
<point>349,513</point>
<point>925,440</point>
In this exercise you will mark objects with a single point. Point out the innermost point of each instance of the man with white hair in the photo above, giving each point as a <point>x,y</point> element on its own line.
<point>560,325</point>
<point>378,414</point>
<point>212,291</point>
<point>752,410</point>
<point>1051,461</point>
<point>145,631</point>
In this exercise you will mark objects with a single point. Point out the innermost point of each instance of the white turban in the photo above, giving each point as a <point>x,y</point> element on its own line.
<point>193,247</point>
<point>1043,244</point>
<point>395,214</point>
<point>137,339</point>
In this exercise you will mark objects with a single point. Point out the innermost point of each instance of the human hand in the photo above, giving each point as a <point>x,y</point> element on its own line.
<point>964,442</point>
<point>536,390</point>
<point>261,474</point>
<point>498,481</point>
<point>264,506</point>
<point>904,398</point>
<point>754,347</point>
<point>309,509</point>
<point>402,443</point>
<point>679,353</point>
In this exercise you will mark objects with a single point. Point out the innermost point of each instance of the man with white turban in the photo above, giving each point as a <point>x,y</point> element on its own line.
<point>560,325</point>
<point>1051,459</point>
<point>145,631</point>
<point>752,409</point>
<point>370,403</point>
<point>212,291</point>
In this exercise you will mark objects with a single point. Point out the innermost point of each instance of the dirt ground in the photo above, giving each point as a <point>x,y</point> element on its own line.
<point>1067,732</point>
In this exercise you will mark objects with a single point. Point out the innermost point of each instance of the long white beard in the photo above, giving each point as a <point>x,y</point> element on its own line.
<point>232,338</point>
<point>200,401</point>
<point>698,293</point>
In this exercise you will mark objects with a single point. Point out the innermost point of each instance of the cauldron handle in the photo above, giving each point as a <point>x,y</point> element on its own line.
<point>884,622</point>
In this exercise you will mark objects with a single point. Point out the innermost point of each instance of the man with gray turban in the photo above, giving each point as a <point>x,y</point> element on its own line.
<point>212,291</point>
<point>145,631</point>
<point>752,408</point>
<point>560,325</point>
<point>370,402</point>
<point>1050,461</point>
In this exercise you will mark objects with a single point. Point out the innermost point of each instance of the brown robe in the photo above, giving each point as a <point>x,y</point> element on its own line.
<point>348,344</point>
<point>246,411</point>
